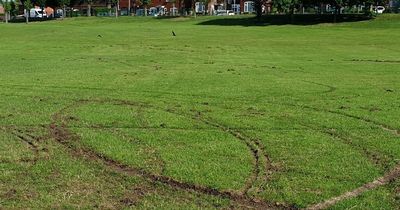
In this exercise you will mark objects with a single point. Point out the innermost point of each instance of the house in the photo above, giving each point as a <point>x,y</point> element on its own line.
<point>1,10</point>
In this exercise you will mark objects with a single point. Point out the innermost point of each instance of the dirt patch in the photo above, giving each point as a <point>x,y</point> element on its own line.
<point>10,194</point>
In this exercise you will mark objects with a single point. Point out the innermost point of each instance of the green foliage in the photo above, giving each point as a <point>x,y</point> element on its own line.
<point>99,10</point>
<point>63,2</point>
<point>113,2</point>
<point>7,5</point>
<point>28,5</point>
<point>285,6</point>
<point>41,3</point>
<point>145,2</point>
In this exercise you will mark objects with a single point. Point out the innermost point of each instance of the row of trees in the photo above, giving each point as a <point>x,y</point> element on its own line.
<point>283,6</point>
<point>11,7</point>
<point>288,6</point>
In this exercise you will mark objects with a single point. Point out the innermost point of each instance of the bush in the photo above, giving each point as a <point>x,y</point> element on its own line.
<point>101,11</point>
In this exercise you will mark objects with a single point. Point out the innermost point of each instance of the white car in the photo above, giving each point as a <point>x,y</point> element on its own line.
<point>379,9</point>
<point>225,13</point>
<point>37,13</point>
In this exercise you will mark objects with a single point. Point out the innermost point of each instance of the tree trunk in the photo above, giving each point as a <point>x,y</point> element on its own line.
<point>129,7</point>
<point>302,8</point>
<point>26,16</point>
<point>6,16</point>
<point>116,9</point>
<point>194,8</point>
<point>258,8</point>
<point>63,15</point>
<point>173,9</point>
<point>291,11</point>
<point>145,10</point>
<point>337,11</point>
<point>89,10</point>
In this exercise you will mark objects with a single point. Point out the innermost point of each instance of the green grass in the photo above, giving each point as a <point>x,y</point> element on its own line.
<point>314,99</point>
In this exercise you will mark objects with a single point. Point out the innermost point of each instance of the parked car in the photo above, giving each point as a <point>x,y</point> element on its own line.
<point>59,13</point>
<point>37,13</point>
<point>379,9</point>
<point>224,12</point>
<point>140,12</point>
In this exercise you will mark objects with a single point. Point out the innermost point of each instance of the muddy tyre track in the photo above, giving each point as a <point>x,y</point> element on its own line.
<point>330,87</point>
<point>31,141</point>
<point>388,177</point>
<point>383,180</point>
<point>262,166</point>
<point>374,157</point>
<point>59,131</point>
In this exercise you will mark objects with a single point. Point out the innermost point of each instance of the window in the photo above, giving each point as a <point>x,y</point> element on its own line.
<point>173,11</point>
<point>200,7</point>
<point>249,6</point>
<point>236,8</point>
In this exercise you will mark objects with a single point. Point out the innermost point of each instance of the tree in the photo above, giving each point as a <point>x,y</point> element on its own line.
<point>7,8</point>
<point>145,3</point>
<point>188,5</point>
<point>41,4</point>
<point>27,8</point>
<point>63,3</point>
<point>258,7</point>
<point>173,6</point>
<point>285,6</point>
<point>194,8</point>
<point>110,5</point>
<point>89,9</point>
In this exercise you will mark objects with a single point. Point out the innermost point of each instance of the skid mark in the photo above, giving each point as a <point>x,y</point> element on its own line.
<point>59,131</point>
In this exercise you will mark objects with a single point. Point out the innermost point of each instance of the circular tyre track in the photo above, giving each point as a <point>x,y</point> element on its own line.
<point>388,177</point>
<point>262,168</point>
<point>60,132</point>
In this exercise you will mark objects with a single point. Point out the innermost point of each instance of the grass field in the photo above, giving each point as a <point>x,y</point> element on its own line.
<point>112,114</point>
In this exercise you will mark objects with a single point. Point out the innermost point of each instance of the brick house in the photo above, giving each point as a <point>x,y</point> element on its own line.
<point>1,10</point>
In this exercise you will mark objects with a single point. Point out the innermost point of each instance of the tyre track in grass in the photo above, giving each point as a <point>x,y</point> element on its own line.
<point>261,161</point>
<point>385,127</point>
<point>31,141</point>
<point>59,131</point>
<point>388,177</point>
<point>383,180</point>
<point>261,164</point>
<point>330,87</point>
<point>373,156</point>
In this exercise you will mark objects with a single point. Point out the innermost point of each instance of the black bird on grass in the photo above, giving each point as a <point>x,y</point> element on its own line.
<point>173,33</point>
<point>99,36</point>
